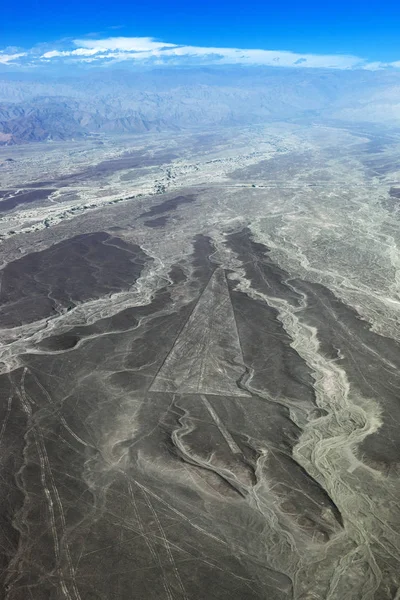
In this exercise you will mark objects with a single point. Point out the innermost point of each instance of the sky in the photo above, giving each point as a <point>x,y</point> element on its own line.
<point>332,34</point>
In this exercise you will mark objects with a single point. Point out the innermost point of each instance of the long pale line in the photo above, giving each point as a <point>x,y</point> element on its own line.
<point>225,433</point>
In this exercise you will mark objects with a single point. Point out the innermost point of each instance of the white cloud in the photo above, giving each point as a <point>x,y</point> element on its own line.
<point>374,66</point>
<point>150,51</point>
<point>77,52</point>
<point>135,44</point>
<point>139,49</point>
<point>378,66</point>
<point>147,49</point>
<point>266,57</point>
<point>5,59</point>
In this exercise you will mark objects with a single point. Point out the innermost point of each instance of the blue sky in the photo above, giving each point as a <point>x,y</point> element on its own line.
<point>366,30</point>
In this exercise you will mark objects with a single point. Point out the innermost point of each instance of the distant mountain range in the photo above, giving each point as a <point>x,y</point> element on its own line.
<point>35,109</point>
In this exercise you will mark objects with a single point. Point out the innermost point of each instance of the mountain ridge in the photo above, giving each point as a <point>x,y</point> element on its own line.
<point>163,100</point>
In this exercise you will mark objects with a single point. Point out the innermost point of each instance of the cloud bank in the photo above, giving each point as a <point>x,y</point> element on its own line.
<point>148,51</point>
<point>6,59</point>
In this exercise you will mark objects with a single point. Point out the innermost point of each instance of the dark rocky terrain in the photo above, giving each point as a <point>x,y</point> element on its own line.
<point>200,366</point>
